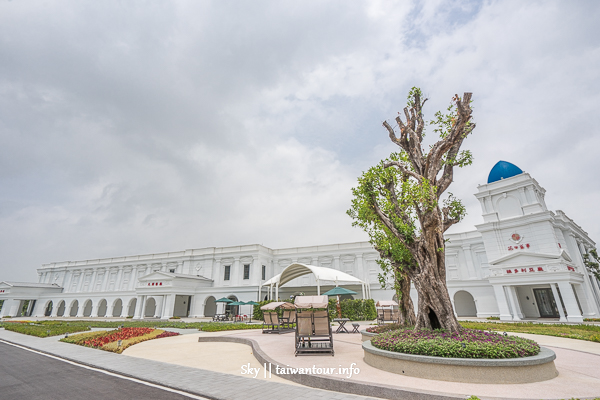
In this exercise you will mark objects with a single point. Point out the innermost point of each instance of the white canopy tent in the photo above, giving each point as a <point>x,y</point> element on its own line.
<point>322,275</point>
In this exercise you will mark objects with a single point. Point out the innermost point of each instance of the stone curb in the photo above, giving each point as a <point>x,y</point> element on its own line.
<point>331,383</point>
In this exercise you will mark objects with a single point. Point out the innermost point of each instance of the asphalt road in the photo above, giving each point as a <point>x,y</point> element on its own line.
<point>30,376</point>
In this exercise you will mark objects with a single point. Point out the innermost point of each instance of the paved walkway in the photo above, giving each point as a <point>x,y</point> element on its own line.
<point>578,363</point>
<point>215,369</point>
<point>201,382</point>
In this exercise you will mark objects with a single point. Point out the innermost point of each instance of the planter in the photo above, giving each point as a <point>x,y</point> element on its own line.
<point>469,370</point>
<point>367,335</point>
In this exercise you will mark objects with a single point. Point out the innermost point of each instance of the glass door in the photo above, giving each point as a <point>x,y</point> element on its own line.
<point>546,304</point>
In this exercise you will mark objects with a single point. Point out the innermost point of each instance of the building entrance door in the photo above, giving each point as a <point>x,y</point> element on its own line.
<point>546,304</point>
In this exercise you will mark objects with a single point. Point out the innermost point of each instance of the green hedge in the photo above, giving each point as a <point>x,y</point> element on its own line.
<point>40,330</point>
<point>355,310</point>
<point>226,326</point>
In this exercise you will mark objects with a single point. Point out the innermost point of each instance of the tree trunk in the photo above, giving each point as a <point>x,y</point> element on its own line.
<point>405,303</point>
<point>435,309</point>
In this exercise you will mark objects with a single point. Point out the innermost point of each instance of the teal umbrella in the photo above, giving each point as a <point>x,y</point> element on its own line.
<point>252,303</point>
<point>337,291</point>
<point>224,300</point>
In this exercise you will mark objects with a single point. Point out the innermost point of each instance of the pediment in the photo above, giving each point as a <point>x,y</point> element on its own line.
<point>527,257</point>
<point>5,285</point>
<point>157,275</point>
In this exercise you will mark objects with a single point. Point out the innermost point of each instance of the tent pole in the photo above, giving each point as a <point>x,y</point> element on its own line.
<point>277,291</point>
<point>318,288</point>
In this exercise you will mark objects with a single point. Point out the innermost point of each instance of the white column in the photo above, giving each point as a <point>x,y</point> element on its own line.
<point>67,280</point>
<point>277,292</point>
<point>54,312</point>
<point>197,310</point>
<point>125,309</point>
<point>159,306</point>
<point>14,308</point>
<point>80,308</point>
<point>568,296</point>
<point>259,292</point>
<point>235,276</point>
<point>318,288</point>
<point>505,314</point>
<point>118,279</point>
<point>514,303</point>
<point>169,305</point>
<point>95,307</point>
<point>559,304</point>
<point>93,281</point>
<point>133,279</point>
<point>586,305</point>
<point>139,307</point>
<point>469,258</point>
<point>110,307</point>
<point>81,280</point>
<point>5,306</point>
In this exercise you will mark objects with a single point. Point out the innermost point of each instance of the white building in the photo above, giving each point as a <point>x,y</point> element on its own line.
<point>522,262</point>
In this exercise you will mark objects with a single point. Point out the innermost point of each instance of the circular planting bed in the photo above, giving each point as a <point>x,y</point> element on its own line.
<point>469,356</point>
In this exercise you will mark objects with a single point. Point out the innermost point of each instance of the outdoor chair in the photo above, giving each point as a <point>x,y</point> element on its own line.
<point>315,337</point>
<point>304,331</point>
<point>380,316</point>
<point>271,322</point>
<point>288,319</point>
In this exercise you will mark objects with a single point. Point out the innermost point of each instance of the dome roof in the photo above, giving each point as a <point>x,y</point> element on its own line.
<point>503,170</point>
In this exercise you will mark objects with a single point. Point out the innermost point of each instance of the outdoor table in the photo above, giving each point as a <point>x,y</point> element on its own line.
<point>342,322</point>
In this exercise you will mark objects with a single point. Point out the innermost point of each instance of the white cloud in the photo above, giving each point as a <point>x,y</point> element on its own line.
<point>127,129</point>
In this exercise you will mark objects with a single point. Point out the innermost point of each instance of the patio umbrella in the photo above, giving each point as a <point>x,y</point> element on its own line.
<point>224,300</point>
<point>337,291</point>
<point>237,303</point>
<point>252,303</point>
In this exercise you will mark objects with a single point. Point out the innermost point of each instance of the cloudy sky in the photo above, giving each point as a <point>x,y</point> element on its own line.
<point>143,127</point>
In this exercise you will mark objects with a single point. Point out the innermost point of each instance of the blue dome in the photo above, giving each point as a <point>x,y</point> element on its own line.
<point>503,170</point>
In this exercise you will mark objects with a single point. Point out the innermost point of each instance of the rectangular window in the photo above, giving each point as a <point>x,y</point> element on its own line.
<point>246,271</point>
<point>227,272</point>
<point>264,272</point>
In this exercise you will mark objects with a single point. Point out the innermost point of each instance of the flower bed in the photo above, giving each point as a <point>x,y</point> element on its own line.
<point>109,340</point>
<point>469,343</point>
<point>384,328</point>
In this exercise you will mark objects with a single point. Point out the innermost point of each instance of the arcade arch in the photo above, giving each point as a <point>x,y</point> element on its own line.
<point>87,308</point>
<point>117,309</point>
<point>48,308</point>
<point>60,312</point>
<point>74,308</point>
<point>102,308</point>
<point>150,308</point>
<point>210,307</point>
<point>464,304</point>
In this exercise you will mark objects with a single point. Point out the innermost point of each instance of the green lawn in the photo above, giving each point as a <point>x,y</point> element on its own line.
<point>582,332</point>
<point>54,328</point>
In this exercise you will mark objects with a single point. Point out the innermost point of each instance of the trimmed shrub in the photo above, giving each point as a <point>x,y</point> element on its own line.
<point>468,343</point>
<point>43,330</point>
<point>226,326</point>
<point>354,309</point>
